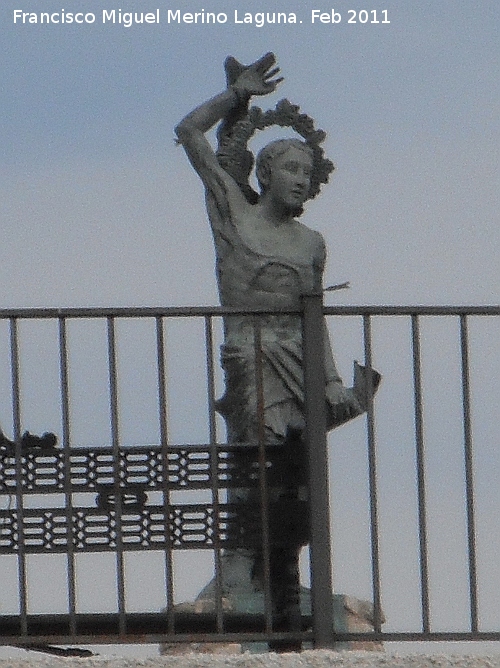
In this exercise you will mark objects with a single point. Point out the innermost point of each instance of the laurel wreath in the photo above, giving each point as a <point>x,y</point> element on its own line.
<point>234,135</point>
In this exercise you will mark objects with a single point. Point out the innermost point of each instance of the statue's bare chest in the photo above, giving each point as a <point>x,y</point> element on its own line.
<point>286,241</point>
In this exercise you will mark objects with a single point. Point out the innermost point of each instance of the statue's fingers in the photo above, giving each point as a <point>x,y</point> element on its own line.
<point>264,63</point>
<point>271,73</point>
<point>272,84</point>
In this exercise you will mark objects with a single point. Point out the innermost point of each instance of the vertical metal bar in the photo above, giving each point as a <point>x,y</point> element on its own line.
<point>16,415</point>
<point>372,473</point>
<point>315,413</point>
<point>66,444</point>
<point>420,462</point>
<point>264,497</point>
<point>115,439</point>
<point>214,469</point>
<point>469,473</point>
<point>162,406</point>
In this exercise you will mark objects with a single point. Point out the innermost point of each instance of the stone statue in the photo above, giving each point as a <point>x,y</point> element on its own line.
<point>265,257</point>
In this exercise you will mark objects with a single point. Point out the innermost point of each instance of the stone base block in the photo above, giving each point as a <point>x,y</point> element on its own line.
<point>351,615</point>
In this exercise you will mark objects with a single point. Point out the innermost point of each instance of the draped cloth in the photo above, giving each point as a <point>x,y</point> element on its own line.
<point>281,385</point>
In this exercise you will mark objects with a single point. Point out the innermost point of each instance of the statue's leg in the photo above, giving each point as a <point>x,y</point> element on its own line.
<point>285,592</point>
<point>243,581</point>
<point>288,533</point>
<point>291,528</point>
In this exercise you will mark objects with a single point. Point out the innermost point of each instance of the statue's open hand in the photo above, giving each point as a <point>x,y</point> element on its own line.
<point>257,78</point>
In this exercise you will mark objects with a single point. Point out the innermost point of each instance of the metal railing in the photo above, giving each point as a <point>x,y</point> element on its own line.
<point>158,483</point>
<point>461,388</point>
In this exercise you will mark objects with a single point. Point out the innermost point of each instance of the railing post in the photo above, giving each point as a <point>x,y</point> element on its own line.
<point>319,498</point>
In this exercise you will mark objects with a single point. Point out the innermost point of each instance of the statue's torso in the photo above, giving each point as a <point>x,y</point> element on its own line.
<point>257,261</point>
<point>262,266</point>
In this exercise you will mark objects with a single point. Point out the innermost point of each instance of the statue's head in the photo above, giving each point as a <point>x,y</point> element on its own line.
<point>234,156</point>
<point>272,152</point>
<point>293,161</point>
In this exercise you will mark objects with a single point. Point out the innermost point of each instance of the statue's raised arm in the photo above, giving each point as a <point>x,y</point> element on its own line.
<point>259,78</point>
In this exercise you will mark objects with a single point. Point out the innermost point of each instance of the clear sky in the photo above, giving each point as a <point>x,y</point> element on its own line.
<point>101,206</point>
<point>98,207</point>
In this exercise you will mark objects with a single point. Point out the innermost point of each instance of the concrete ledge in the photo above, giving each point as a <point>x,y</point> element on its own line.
<point>307,659</point>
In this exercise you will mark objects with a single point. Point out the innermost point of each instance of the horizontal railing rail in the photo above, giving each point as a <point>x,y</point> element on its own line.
<point>217,311</point>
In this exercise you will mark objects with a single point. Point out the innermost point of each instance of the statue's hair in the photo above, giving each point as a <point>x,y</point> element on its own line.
<point>274,150</point>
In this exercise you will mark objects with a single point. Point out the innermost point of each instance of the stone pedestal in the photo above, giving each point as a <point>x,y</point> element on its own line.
<point>351,615</point>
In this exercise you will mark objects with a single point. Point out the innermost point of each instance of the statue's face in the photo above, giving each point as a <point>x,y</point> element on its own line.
<point>289,178</point>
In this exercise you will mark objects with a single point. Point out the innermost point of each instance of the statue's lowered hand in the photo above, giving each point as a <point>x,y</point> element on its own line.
<point>346,403</point>
<point>366,382</point>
